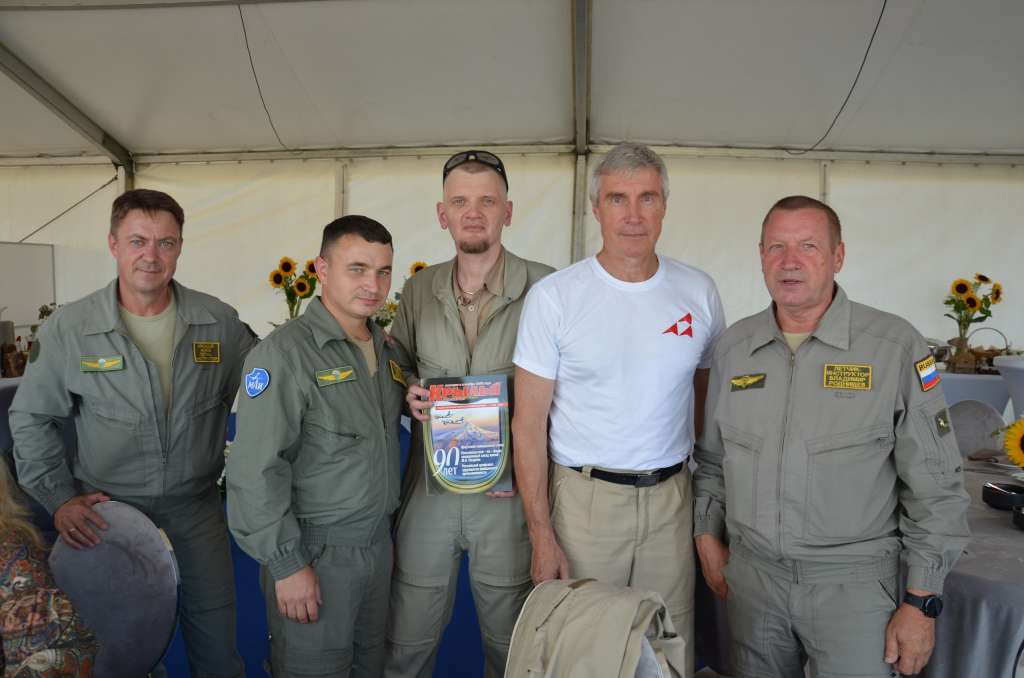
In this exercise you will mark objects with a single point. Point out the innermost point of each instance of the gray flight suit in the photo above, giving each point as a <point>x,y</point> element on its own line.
<point>433,530</point>
<point>313,479</point>
<point>88,368</point>
<point>824,467</point>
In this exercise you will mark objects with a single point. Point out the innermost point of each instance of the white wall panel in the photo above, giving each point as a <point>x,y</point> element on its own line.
<point>240,219</point>
<point>31,196</point>
<point>910,230</point>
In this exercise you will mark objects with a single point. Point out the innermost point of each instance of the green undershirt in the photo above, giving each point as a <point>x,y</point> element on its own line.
<point>154,335</point>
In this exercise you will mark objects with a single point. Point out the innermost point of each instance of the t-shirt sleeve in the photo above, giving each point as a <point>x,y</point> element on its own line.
<point>717,314</point>
<point>537,340</point>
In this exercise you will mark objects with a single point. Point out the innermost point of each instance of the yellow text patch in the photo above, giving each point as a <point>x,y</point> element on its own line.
<point>206,352</point>
<point>396,372</point>
<point>847,377</point>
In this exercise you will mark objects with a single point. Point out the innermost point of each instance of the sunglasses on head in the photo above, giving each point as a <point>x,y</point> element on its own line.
<point>483,157</point>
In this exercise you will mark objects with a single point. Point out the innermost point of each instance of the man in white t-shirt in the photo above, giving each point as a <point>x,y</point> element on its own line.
<point>614,350</point>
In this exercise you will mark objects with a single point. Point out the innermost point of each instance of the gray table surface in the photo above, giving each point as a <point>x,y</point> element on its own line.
<point>981,628</point>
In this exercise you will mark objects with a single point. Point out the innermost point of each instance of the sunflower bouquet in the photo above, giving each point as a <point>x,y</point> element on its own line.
<point>297,285</point>
<point>385,315</point>
<point>1013,442</point>
<point>970,303</point>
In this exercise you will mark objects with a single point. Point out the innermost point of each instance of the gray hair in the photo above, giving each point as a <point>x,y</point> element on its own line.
<point>628,157</point>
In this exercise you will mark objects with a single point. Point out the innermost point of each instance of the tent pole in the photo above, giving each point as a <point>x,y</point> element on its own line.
<point>59,105</point>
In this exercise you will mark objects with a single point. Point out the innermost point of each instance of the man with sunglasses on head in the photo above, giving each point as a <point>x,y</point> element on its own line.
<point>460,318</point>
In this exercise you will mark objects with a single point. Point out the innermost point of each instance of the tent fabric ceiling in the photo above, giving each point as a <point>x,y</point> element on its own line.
<point>942,76</point>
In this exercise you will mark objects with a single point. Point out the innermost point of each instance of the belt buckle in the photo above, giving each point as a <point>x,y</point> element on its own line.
<point>648,479</point>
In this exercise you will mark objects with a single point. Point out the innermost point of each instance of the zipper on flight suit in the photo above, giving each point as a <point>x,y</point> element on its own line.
<point>785,432</point>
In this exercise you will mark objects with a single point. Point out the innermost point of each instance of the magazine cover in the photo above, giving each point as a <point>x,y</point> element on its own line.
<point>466,438</point>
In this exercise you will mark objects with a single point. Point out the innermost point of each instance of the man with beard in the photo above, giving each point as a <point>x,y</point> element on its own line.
<point>455,319</point>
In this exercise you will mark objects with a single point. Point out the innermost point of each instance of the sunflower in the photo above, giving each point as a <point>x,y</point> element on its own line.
<point>997,293</point>
<point>971,302</point>
<point>982,278</point>
<point>960,287</point>
<point>416,267</point>
<point>276,278</point>
<point>301,288</point>
<point>1013,443</point>
<point>310,268</point>
<point>287,265</point>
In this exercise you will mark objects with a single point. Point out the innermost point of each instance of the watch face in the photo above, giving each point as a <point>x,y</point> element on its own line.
<point>932,606</point>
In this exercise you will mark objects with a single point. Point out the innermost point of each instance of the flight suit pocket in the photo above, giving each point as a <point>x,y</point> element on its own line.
<point>111,444</point>
<point>206,437</point>
<point>850,482</point>
<point>430,368</point>
<point>740,469</point>
<point>333,469</point>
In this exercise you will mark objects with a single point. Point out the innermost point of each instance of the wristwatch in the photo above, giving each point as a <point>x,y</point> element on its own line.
<point>931,605</point>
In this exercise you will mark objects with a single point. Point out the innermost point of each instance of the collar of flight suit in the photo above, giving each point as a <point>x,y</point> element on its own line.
<point>325,327</point>
<point>833,328</point>
<point>108,315</point>
<point>513,283</point>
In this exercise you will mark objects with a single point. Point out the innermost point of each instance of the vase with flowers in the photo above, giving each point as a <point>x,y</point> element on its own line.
<point>297,285</point>
<point>970,302</point>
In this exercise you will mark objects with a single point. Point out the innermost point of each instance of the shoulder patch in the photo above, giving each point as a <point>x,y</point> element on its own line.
<point>927,373</point>
<point>256,382</point>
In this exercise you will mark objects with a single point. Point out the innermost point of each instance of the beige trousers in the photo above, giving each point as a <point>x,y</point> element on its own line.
<point>629,536</point>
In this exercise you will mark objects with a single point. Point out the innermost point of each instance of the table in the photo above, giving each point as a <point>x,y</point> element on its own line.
<point>981,629</point>
<point>988,388</point>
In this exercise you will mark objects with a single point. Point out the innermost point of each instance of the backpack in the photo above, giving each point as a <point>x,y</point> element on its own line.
<point>590,629</point>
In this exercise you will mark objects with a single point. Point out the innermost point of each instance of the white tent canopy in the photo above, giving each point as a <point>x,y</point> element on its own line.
<point>923,163</point>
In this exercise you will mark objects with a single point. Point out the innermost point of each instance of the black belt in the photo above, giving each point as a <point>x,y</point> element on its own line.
<point>645,479</point>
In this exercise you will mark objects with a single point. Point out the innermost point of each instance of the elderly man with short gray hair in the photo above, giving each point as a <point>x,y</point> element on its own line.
<point>614,352</point>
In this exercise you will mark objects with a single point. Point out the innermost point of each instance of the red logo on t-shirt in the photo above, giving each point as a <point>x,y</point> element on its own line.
<point>682,327</point>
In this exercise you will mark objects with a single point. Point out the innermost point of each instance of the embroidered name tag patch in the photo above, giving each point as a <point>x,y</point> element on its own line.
<point>847,377</point>
<point>206,352</point>
<point>101,363</point>
<point>396,372</point>
<point>927,374</point>
<point>748,381</point>
<point>335,375</point>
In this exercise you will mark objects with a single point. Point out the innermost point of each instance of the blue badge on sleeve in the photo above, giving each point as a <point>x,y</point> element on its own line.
<point>256,382</point>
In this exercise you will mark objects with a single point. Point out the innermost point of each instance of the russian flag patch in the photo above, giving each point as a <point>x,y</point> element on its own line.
<point>927,373</point>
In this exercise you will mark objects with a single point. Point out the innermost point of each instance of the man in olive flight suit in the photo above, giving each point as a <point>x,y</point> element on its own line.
<point>313,474</point>
<point>460,318</point>
<point>827,454</point>
<point>148,370</point>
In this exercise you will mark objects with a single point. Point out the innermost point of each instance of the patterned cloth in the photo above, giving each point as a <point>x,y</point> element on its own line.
<point>41,634</point>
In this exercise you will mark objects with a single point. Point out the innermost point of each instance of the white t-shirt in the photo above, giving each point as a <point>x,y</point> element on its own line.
<point>622,356</point>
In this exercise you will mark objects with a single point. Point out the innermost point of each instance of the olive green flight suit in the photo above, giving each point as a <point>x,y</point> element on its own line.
<point>88,368</point>
<point>824,467</point>
<point>434,530</point>
<point>313,479</point>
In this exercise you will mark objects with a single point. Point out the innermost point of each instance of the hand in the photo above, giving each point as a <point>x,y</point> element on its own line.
<point>548,561</point>
<point>713,557</point>
<point>909,638</point>
<point>298,596</point>
<point>75,520</point>
<point>419,407</point>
